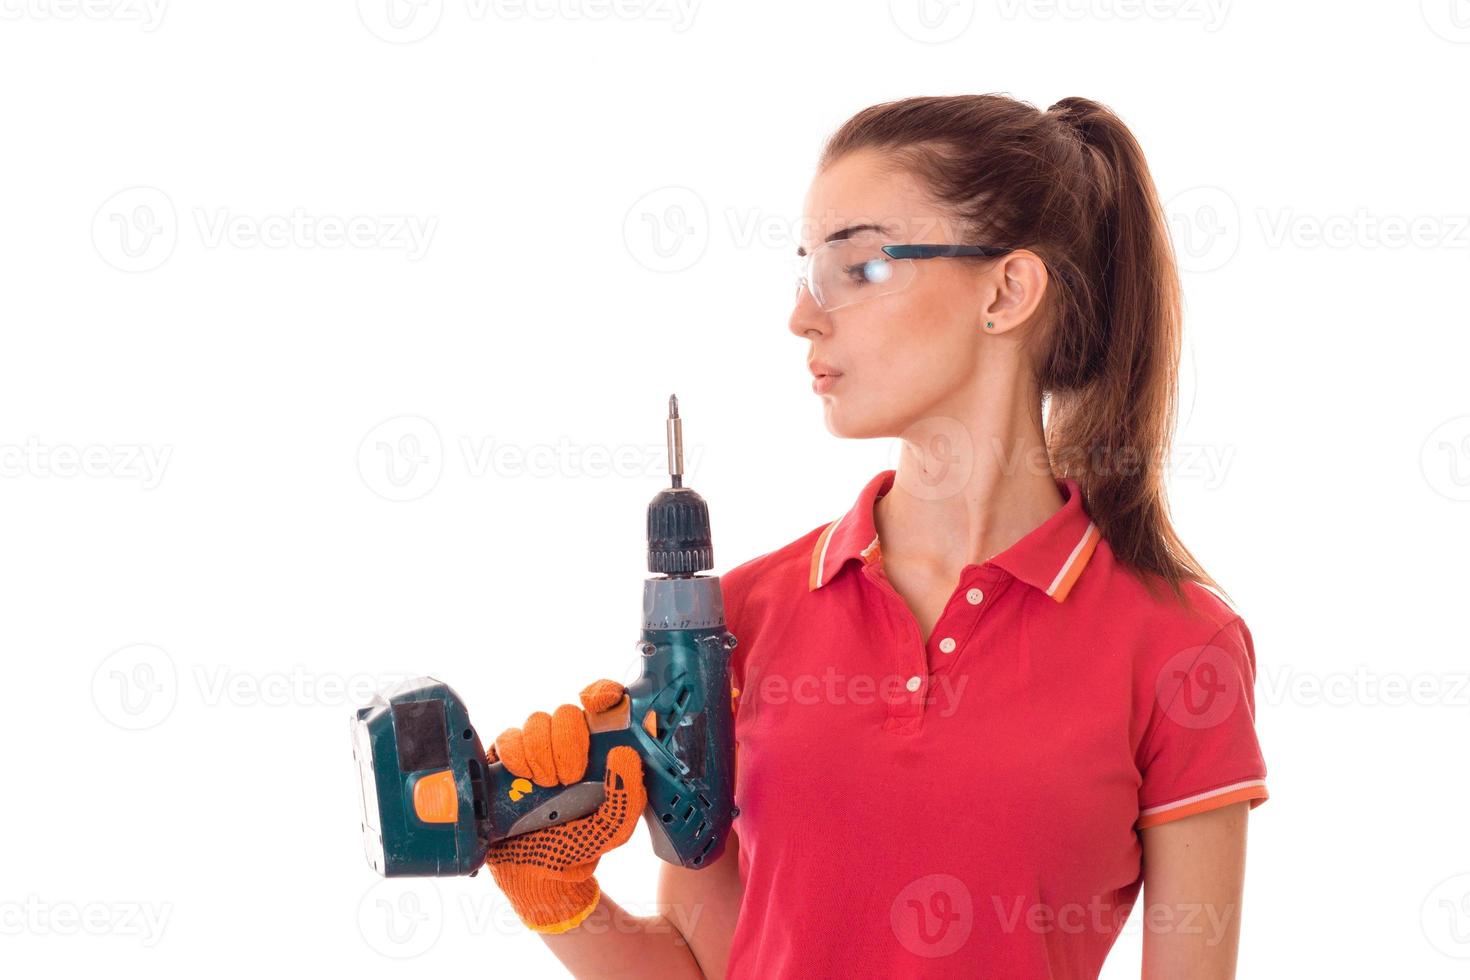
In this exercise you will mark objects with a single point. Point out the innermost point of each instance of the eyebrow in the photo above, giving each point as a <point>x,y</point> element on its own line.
<point>847,232</point>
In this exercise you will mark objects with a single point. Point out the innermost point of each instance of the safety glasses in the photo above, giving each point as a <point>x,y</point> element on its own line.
<point>850,270</point>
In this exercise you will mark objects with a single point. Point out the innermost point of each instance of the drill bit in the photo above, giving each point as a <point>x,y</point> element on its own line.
<point>675,436</point>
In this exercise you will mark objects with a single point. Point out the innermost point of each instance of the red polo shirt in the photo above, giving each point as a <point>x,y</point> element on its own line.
<point>968,806</point>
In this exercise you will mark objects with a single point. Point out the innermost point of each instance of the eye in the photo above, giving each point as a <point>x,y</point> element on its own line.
<point>873,270</point>
<point>877,270</point>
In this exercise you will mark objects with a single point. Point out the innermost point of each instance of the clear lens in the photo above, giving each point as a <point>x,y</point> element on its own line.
<point>848,271</point>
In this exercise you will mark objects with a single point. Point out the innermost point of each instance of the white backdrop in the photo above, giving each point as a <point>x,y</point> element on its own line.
<point>248,246</point>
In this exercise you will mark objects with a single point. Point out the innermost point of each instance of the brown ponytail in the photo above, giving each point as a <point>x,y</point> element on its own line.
<point>1070,184</point>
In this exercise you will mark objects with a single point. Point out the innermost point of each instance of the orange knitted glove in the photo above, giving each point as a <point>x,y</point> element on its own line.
<point>547,874</point>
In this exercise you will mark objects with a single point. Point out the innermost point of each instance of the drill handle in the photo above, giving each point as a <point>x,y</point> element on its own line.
<point>520,805</point>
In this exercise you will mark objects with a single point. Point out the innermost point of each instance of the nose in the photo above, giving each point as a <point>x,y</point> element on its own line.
<point>807,318</point>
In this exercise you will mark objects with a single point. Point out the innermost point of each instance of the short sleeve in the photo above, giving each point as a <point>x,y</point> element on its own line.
<point>1200,749</point>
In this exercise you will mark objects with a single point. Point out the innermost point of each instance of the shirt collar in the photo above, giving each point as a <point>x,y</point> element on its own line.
<point>1051,557</point>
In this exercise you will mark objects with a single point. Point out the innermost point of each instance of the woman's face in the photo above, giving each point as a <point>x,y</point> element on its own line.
<point>907,355</point>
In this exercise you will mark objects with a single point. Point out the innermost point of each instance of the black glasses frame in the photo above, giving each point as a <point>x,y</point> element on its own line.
<point>942,251</point>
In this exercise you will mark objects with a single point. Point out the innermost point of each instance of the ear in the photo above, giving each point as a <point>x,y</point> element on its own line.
<point>1013,291</point>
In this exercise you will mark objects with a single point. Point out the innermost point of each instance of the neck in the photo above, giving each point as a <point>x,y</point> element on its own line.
<point>973,479</point>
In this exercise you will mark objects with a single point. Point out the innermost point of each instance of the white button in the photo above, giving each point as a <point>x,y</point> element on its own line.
<point>914,682</point>
<point>947,644</point>
<point>974,595</point>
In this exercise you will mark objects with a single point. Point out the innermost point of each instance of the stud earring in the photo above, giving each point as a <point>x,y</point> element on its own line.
<point>989,325</point>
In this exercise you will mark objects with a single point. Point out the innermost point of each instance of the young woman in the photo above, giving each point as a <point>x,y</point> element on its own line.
<point>985,707</point>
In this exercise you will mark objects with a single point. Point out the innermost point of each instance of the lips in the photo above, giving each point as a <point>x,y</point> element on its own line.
<point>824,376</point>
<point>821,369</point>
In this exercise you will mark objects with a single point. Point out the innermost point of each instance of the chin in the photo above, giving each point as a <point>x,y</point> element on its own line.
<point>848,421</point>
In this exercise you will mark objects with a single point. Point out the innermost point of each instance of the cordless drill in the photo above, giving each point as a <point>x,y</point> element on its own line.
<point>433,804</point>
